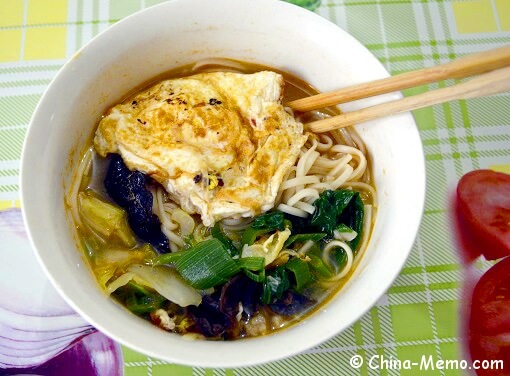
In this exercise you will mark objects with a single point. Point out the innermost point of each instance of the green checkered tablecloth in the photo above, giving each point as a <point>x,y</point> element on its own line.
<point>419,313</point>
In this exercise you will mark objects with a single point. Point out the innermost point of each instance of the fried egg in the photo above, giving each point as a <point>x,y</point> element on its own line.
<point>220,143</point>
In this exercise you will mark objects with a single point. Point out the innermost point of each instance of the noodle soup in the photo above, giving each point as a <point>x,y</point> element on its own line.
<point>204,273</point>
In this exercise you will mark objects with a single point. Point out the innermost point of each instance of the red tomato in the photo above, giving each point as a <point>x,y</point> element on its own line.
<point>489,321</point>
<point>483,214</point>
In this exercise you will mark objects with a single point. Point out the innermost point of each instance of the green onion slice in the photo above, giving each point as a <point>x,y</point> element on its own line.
<point>218,233</point>
<point>301,238</point>
<point>207,264</point>
<point>260,278</point>
<point>301,272</point>
<point>252,263</point>
<point>169,258</point>
<point>319,268</point>
<point>251,234</point>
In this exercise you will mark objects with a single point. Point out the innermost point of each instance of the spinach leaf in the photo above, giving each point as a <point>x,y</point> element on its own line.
<point>293,275</point>
<point>269,221</point>
<point>334,208</point>
<point>328,208</point>
<point>264,224</point>
<point>301,238</point>
<point>275,284</point>
<point>251,234</point>
<point>138,299</point>
<point>353,216</point>
<point>301,272</point>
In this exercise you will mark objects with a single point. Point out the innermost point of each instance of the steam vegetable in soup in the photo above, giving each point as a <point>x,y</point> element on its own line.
<point>204,206</point>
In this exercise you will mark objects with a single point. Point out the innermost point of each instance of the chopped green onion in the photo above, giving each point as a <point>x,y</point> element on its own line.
<point>319,268</point>
<point>344,233</point>
<point>260,278</point>
<point>251,234</point>
<point>218,233</point>
<point>301,238</point>
<point>169,258</point>
<point>251,263</point>
<point>301,273</point>
<point>206,265</point>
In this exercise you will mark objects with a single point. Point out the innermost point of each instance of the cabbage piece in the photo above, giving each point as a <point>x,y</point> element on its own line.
<point>123,280</point>
<point>269,249</point>
<point>104,274</point>
<point>109,262</point>
<point>105,219</point>
<point>166,281</point>
<point>123,257</point>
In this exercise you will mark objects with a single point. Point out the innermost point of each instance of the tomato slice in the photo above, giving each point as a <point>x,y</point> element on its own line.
<point>483,214</point>
<point>489,321</point>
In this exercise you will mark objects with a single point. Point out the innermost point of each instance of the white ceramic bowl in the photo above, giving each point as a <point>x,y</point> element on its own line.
<point>172,34</point>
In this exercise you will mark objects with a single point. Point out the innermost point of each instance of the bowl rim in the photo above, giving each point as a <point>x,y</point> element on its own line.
<point>253,359</point>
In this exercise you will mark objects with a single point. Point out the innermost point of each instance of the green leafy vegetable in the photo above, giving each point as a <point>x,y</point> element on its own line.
<point>269,221</point>
<point>251,234</point>
<point>318,267</point>
<point>207,264</point>
<point>301,272</point>
<point>138,299</point>
<point>269,248</point>
<point>264,224</point>
<point>341,210</point>
<point>295,274</point>
<point>339,258</point>
<point>353,216</point>
<point>301,238</point>
<point>218,233</point>
<point>328,208</point>
<point>275,284</point>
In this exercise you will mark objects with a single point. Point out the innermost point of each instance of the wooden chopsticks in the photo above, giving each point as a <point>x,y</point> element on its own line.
<point>496,61</point>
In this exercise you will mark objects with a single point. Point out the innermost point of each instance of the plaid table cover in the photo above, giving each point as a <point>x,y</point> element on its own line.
<point>419,314</point>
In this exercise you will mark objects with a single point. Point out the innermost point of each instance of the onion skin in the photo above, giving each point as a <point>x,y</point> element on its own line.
<point>93,355</point>
<point>36,336</point>
<point>25,289</point>
<point>36,324</point>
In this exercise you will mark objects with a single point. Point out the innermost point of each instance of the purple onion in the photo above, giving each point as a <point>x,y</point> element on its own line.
<point>94,355</point>
<point>36,324</point>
